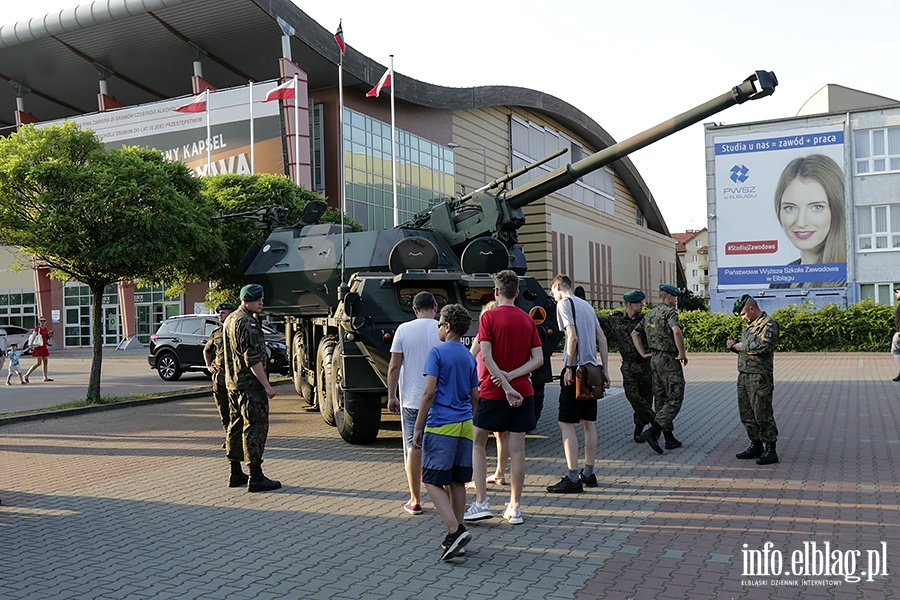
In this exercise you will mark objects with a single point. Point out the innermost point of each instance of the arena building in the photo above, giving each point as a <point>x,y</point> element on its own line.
<point>122,67</point>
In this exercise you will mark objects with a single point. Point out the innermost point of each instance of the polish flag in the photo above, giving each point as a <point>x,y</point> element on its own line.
<point>384,82</point>
<point>282,92</point>
<point>196,105</point>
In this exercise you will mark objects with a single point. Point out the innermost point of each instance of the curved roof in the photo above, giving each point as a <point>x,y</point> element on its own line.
<point>145,49</point>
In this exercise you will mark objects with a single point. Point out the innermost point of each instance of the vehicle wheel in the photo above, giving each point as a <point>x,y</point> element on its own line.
<point>324,383</point>
<point>168,367</point>
<point>538,401</point>
<point>357,415</point>
<point>298,372</point>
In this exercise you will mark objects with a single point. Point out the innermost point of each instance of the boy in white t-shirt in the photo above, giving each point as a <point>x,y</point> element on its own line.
<point>13,355</point>
<point>410,347</point>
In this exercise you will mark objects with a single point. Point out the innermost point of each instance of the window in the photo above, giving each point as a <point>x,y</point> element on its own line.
<point>425,172</point>
<point>878,227</point>
<point>77,321</point>
<point>638,217</point>
<point>876,150</point>
<point>532,142</point>
<point>17,307</point>
<point>695,258</point>
<point>315,146</point>
<point>698,243</point>
<point>694,273</point>
<point>881,293</point>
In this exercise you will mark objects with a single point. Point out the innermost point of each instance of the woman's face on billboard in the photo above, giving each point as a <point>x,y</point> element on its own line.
<point>805,214</point>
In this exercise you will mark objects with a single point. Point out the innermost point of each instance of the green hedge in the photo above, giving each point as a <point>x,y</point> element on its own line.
<point>861,327</point>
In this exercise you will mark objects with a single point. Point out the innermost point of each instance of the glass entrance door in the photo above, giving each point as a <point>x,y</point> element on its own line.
<point>112,331</point>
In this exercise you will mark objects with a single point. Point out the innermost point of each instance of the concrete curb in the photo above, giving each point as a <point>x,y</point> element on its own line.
<point>81,410</point>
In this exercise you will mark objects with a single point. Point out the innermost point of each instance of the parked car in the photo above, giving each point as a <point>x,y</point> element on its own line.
<point>177,346</point>
<point>16,335</point>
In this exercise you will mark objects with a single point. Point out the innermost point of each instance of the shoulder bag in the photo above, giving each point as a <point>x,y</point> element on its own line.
<point>36,340</point>
<point>590,383</point>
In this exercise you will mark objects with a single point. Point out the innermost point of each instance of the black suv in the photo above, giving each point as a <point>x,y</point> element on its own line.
<point>177,346</point>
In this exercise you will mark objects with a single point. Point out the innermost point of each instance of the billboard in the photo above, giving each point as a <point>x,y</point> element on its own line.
<point>183,136</point>
<point>780,215</point>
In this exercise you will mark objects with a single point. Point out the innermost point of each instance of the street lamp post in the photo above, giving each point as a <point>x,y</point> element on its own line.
<point>483,151</point>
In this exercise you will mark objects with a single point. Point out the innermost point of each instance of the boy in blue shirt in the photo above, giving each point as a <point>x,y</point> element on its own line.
<point>13,356</point>
<point>444,426</point>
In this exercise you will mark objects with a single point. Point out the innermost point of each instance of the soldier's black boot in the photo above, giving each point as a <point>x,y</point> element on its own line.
<point>638,429</point>
<point>671,442</point>
<point>754,450</point>
<point>238,477</point>
<point>897,378</point>
<point>651,436</point>
<point>769,455</point>
<point>259,482</point>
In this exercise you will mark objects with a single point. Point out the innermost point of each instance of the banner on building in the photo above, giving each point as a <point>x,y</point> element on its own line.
<point>780,210</point>
<point>182,136</point>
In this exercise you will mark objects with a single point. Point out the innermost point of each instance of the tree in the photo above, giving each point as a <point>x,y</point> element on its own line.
<point>99,216</point>
<point>230,194</point>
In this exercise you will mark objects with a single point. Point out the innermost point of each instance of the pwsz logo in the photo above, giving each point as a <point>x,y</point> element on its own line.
<point>739,174</point>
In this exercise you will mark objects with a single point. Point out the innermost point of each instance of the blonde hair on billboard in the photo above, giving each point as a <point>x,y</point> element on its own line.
<point>827,173</point>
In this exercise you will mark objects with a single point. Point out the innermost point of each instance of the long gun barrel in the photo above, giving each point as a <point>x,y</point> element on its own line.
<point>758,85</point>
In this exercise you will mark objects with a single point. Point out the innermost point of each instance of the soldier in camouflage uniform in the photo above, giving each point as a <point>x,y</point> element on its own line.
<point>248,391</point>
<point>214,356</point>
<point>636,376</point>
<point>756,352</point>
<point>667,359</point>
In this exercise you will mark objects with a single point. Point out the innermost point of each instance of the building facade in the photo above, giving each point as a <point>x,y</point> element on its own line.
<point>605,231</point>
<point>692,249</point>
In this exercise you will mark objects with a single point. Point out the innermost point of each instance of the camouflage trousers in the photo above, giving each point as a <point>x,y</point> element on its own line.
<point>754,392</point>
<point>220,395</point>
<point>637,380</point>
<point>249,426</point>
<point>668,388</point>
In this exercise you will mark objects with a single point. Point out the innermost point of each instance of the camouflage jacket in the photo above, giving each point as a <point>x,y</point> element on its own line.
<point>658,324</point>
<point>216,345</point>
<point>620,326</point>
<point>244,347</point>
<point>758,341</point>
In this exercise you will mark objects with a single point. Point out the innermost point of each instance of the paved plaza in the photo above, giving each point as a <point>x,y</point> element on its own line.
<point>133,503</point>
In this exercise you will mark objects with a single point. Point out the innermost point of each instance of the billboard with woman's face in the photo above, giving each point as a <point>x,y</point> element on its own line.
<point>780,215</point>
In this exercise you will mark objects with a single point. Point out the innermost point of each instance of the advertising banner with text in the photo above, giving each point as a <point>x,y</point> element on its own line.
<point>182,136</point>
<point>780,209</point>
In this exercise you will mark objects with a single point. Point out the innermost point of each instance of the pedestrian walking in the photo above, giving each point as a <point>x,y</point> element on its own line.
<point>667,359</point>
<point>444,429</point>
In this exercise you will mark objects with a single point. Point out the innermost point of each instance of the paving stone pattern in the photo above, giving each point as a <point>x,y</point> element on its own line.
<point>133,503</point>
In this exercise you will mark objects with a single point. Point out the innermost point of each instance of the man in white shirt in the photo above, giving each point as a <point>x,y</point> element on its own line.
<point>583,336</point>
<point>406,375</point>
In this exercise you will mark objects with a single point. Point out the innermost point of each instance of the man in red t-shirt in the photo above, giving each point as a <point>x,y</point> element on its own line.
<point>511,349</point>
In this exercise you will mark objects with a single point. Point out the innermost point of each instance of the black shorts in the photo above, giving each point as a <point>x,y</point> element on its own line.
<point>572,410</point>
<point>498,415</point>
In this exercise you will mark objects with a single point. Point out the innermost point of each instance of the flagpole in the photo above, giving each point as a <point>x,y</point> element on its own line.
<point>297,127</point>
<point>343,179</point>
<point>252,154</point>
<point>394,147</point>
<point>208,137</point>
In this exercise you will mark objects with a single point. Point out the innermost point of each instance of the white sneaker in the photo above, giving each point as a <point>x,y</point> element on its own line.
<point>513,514</point>
<point>478,511</point>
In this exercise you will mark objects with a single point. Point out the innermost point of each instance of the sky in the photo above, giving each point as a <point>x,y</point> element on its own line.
<point>627,65</point>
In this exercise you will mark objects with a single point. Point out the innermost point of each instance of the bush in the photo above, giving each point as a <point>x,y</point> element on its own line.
<point>861,327</point>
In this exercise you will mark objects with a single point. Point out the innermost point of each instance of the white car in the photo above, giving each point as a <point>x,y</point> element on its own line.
<point>15,335</point>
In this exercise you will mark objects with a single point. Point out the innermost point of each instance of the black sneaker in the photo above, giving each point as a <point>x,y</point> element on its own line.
<point>673,444</point>
<point>567,486</point>
<point>588,480</point>
<point>897,378</point>
<point>454,543</point>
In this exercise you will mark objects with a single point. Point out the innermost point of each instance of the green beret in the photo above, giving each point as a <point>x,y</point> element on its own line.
<point>634,296</point>
<point>671,289</point>
<point>739,304</point>
<point>251,292</point>
<point>226,306</point>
